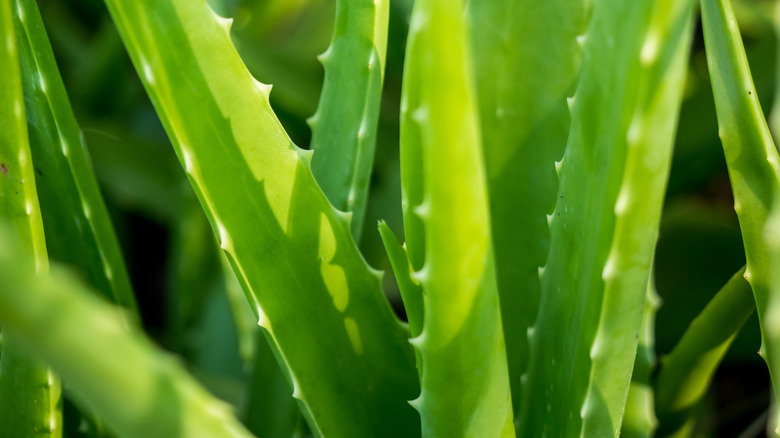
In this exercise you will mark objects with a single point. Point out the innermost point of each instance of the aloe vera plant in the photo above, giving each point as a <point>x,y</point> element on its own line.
<point>520,220</point>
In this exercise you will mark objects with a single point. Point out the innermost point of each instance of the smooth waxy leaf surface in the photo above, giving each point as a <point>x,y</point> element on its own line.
<point>344,126</point>
<point>686,372</point>
<point>649,139</point>
<point>524,73</point>
<point>751,156</point>
<point>292,252</point>
<point>410,288</point>
<point>603,233</point>
<point>771,325</point>
<point>465,385</point>
<point>29,392</point>
<point>640,420</point>
<point>77,225</point>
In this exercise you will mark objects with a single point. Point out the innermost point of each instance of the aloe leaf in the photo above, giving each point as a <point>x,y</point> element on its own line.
<point>20,198</point>
<point>772,319</point>
<point>292,252</point>
<point>640,420</point>
<point>109,365</point>
<point>29,392</point>
<point>603,234</point>
<point>752,159</point>
<point>465,384</point>
<point>649,140</point>
<point>686,372</point>
<point>78,228</point>
<point>344,126</point>
<point>774,116</point>
<point>524,73</point>
<point>411,290</point>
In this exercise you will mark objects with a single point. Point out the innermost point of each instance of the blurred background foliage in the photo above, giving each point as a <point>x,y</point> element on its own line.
<point>184,295</point>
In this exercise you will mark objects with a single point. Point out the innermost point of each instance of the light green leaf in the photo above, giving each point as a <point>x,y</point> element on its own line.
<point>686,372</point>
<point>411,290</point>
<point>344,126</point>
<point>109,365</point>
<point>751,156</point>
<point>292,252</point>
<point>526,61</point>
<point>465,384</point>
<point>29,392</point>
<point>78,229</point>
<point>603,233</point>
<point>640,420</point>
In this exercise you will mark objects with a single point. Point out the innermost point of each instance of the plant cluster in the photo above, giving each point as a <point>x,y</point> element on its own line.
<point>536,140</point>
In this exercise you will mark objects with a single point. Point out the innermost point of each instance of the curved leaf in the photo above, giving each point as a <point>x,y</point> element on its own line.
<point>109,365</point>
<point>78,229</point>
<point>465,383</point>
<point>752,159</point>
<point>603,233</point>
<point>526,61</point>
<point>29,392</point>
<point>292,252</point>
<point>344,126</point>
<point>686,372</point>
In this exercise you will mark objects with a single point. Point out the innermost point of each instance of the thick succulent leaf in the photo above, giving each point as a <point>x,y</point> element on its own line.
<point>465,384</point>
<point>29,392</point>
<point>78,229</point>
<point>19,202</point>
<point>344,126</point>
<point>751,156</point>
<point>312,292</point>
<point>603,233</point>
<point>640,420</point>
<point>772,318</point>
<point>524,73</point>
<point>410,288</point>
<point>649,139</point>
<point>774,117</point>
<point>686,372</point>
<point>110,366</point>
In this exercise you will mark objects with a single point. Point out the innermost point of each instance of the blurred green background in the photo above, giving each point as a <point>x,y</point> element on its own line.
<point>170,251</point>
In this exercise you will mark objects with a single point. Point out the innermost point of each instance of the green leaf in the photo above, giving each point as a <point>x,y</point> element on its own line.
<point>19,202</point>
<point>344,126</point>
<point>751,156</point>
<point>649,140</point>
<point>640,420</point>
<point>292,252</point>
<point>686,372</point>
<point>411,290</point>
<point>771,325</point>
<point>78,229</point>
<point>465,384</point>
<point>603,233</point>
<point>110,366</point>
<point>29,392</point>
<point>526,62</point>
